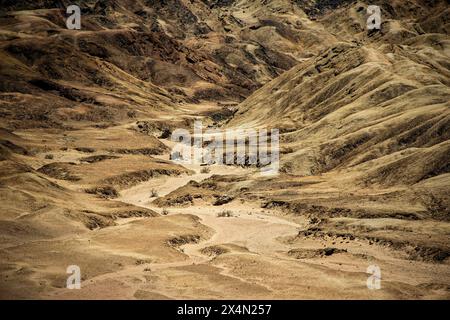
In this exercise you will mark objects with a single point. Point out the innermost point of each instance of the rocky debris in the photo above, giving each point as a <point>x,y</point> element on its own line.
<point>314,253</point>
<point>103,191</point>
<point>220,200</point>
<point>214,251</point>
<point>98,158</point>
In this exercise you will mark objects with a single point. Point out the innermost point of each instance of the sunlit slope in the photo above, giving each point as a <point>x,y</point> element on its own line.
<point>351,105</point>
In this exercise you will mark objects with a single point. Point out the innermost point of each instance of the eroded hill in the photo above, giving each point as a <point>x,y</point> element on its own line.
<point>86,179</point>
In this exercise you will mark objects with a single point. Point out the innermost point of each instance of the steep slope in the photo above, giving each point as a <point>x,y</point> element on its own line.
<point>365,131</point>
<point>371,107</point>
<point>351,105</point>
<point>143,56</point>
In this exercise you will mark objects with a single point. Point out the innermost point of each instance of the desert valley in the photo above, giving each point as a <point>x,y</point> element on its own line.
<point>87,177</point>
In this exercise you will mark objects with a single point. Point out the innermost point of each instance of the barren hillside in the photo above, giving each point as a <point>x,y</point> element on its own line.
<point>86,176</point>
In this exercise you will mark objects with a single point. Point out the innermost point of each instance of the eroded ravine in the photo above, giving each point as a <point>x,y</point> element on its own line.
<point>244,255</point>
<point>251,231</point>
<point>250,226</point>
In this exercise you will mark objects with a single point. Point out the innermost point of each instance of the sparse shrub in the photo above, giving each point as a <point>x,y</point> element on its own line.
<point>165,212</point>
<point>184,239</point>
<point>225,214</point>
<point>214,250</point>
<point>142,261</point>
<point>205,170</point>
<point>153,193</point>
<point>49,156</point>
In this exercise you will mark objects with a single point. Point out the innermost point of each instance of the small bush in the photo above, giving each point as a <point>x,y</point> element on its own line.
<point>49,156</point>
<point>225,214</point>
<point>205,170</point>
<point>153,193</point>
<point>165,212</point>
